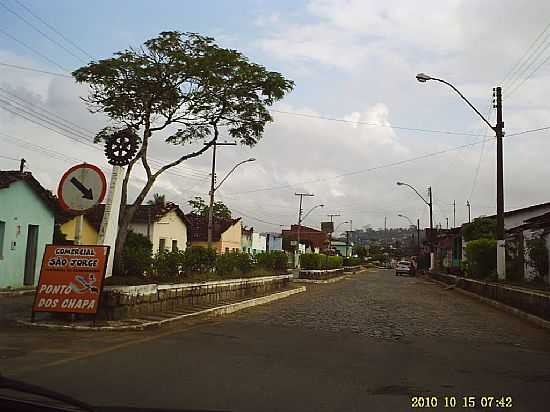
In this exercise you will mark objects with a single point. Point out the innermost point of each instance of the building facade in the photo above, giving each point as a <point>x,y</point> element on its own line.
<point>27,212</point>
<point>258,243</point>
<point>226,233</point>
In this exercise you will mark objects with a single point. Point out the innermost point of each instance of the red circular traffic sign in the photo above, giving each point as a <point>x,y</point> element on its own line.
<point>82,187</point>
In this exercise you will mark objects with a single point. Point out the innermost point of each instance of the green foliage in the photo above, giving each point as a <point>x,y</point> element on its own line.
<point>480,228</point>
<point>136,254</point>
<point>319,261</point>
<point>234,263</point>
<point>360,251</point>
<point>200,208</point>
<point>168,263</point>
<point>481,255</point>
<point>352,261</point>
<point>198,259</point>
<point>276,261</point>
<point>538,256</point>
<point>158,199</point>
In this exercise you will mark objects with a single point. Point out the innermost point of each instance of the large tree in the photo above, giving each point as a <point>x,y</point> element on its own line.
<point>184,88</point>
<point>219,209</point>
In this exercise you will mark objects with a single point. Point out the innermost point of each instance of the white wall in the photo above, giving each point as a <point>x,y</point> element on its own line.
<point>169,227</point>
<point>258,243</point>
<point>519,218</point>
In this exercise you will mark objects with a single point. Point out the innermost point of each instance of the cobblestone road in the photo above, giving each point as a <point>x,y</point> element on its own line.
<point>382,305</point>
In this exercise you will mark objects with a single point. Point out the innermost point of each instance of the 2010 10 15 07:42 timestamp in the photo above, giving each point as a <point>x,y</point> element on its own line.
<point>461,401</point>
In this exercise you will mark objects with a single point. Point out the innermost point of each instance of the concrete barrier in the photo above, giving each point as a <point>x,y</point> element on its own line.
<point>529,301</point>
<point>120,302</point>
<point>320,274</point>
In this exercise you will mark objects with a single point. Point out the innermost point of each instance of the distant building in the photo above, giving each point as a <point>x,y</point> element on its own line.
<point>246,240</point>
<point>274,241</point>
<point>27,213</point>
<point>226,233</point>
<point>313,240</point>
<point>258,243</point>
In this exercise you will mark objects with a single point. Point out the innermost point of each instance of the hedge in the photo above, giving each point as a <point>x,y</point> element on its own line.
<point>481,257</point>
<point>314,261</point>
<point>276,261</point>
<point>352,261</point>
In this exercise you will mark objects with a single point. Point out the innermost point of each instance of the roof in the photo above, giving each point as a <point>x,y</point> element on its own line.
<point>524,209</point>
<point>536,222</point>
<point>314,237</point>
<point>8,177</point>
<point>142,215</point>
<point>198,227</point>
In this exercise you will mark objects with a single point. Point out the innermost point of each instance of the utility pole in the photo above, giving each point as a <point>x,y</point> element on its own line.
<point>212,183</point>
<point>300,221</point>
<point>469,206</point>
<point>454,213</point>
<point>499,131</point>
<point>332,215</point>
<point>385,231</point>
<point>418,234</point>
<point>447,219</point>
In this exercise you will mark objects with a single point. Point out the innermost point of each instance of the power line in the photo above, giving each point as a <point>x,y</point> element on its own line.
<point>47,36</point>
<point>520,62</point>
<point>413,129</point>
<point>33,50</point>
<point>10,158</point>
<point>68,40</point>
<point>15,66</point>
<point>515,89</point>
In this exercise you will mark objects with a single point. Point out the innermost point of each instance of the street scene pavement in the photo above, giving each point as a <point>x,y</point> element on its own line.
<point>370,342</point>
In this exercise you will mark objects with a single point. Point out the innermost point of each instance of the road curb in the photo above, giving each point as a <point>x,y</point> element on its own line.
<point>499,305</point>
<point>216,311</point>
<point>15,293</point>
<point>319,281</point>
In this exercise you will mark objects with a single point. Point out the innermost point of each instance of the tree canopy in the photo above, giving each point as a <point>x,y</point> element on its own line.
<point>184,88</point>
<point>200,208</point>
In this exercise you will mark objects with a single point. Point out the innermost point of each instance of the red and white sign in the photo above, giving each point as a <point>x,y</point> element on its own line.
<point>71,279</point>
<point>82,187</point>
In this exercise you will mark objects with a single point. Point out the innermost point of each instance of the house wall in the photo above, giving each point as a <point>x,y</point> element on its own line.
<point>246,243</point>
<point>20,206</point>
<point>231,238</point>
<point>88,235</point>
<point>258,243</point>
<point>274,242</point>
<point>529,271</point>
<point>518,219</point>
<point>169,227</point>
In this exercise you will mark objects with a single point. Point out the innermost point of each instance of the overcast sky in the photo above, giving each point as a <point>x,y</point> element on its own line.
<point>351,60</point>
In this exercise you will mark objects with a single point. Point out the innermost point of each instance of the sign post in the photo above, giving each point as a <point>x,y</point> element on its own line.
<point>71,279</point>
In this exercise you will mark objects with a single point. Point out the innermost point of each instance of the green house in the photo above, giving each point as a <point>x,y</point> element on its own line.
<point>26,226</point>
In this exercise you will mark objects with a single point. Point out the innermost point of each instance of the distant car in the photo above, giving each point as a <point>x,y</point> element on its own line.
<point>405,267</point>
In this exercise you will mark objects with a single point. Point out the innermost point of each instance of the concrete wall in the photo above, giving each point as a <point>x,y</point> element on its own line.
<point>133,301</point>
<point>258,243</point>
<point>20,207</point>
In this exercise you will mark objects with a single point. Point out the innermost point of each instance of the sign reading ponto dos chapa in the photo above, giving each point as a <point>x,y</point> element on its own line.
<point>71,279</point>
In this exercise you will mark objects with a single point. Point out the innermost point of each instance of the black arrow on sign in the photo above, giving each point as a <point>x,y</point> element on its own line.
<point>86,193</point>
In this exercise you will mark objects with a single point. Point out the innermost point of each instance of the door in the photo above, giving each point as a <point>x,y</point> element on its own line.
<point>30,254</point>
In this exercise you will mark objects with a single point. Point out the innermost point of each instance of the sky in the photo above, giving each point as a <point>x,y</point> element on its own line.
<point>347,132</point>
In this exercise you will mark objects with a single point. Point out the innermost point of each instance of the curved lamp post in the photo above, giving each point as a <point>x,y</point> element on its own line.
<point>499,132</point>
<point>214,188</point>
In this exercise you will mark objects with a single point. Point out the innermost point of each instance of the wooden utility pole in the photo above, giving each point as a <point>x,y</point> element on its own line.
<point>300,221</point>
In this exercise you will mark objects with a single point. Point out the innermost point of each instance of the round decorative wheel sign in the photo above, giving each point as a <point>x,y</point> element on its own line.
<point>82,187</point>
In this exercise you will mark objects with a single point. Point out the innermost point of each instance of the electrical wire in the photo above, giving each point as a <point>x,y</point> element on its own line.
<point>28,23</point>
<point>31,69</point>
<point>10,158</point>
<point>33,50</point>
<point>413,129</point>
<point>68,40</point>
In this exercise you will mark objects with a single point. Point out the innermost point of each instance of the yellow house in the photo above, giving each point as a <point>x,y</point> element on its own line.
<point>164,225</point>
<point>226,233</point>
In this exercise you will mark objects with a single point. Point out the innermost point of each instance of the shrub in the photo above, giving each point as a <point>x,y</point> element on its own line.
<point>481,255</point>
<point>198,259</point>
<point>538,256</point>
<point>168,263</point>
<point>314,261</point>
<point>352,261</point>
<point>136,255</point>
<point>276,261</point>
<point>234,263</point>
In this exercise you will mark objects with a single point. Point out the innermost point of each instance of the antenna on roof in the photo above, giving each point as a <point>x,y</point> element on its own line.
<point>22,165</point>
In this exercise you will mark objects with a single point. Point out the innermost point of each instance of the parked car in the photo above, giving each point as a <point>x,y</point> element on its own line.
<point>405,267</point>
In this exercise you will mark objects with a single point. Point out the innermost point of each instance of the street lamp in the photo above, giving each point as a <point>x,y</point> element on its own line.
<point>428,202</point>
<point>499,132</point>
<point>406,217</point>
<point>212,190</point>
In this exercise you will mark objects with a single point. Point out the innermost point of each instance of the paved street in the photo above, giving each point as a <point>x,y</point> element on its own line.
<point>369,342</point>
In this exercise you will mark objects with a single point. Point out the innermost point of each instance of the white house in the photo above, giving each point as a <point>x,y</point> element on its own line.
<point>274,241</point>
<point>165,225</point>
<point>258,243</point>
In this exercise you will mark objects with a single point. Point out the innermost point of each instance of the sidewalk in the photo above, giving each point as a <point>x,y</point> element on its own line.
<point>155,320</point>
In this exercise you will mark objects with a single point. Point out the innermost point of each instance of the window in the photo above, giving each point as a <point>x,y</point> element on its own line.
<point>174,245</point>
<point>226,250</point>
<point>162,244</point>
<point>2,233</point>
